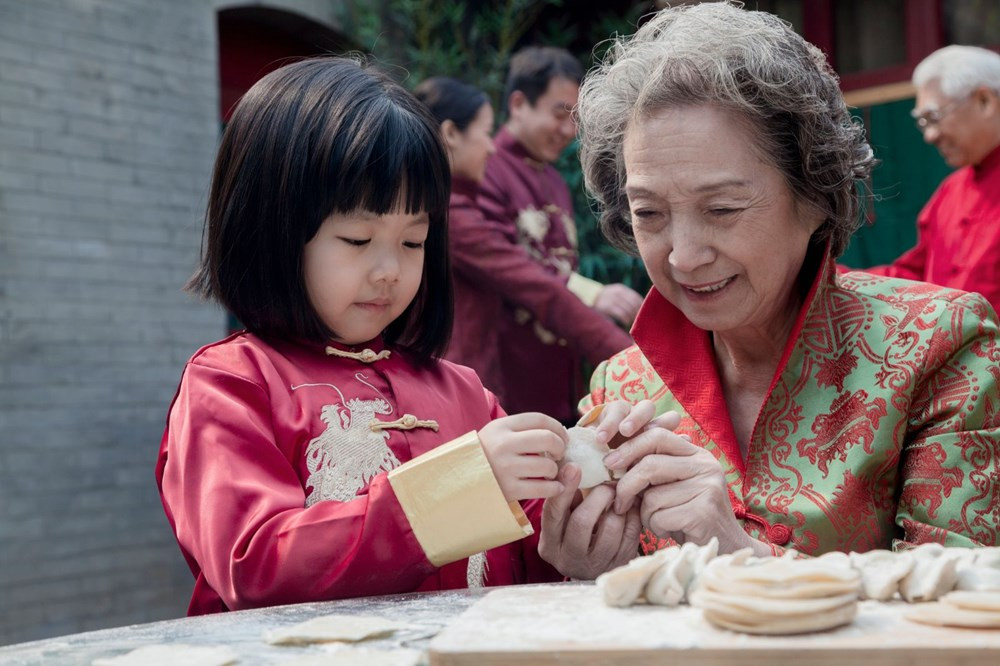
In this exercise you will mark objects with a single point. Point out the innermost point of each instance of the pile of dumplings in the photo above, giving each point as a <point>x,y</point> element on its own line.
<point>772,595</point>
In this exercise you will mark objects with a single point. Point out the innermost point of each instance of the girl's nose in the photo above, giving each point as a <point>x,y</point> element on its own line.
<point>386,268</point>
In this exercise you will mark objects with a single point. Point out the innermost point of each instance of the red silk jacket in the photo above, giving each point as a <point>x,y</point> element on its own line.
<point>532,204</point>
<point>490,268</point>
<point>277,489</point>
<point>958,234</point>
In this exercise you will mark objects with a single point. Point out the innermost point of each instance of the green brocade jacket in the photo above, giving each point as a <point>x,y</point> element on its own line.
<point>881,427</point>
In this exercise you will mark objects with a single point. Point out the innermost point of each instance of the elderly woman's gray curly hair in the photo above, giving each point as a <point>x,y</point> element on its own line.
<point>749,62</point>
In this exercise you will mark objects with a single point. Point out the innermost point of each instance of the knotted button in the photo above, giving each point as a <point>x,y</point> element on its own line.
<point>779,534</point>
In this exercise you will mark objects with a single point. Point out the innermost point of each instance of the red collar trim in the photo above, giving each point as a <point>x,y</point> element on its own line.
<point>682,355</point>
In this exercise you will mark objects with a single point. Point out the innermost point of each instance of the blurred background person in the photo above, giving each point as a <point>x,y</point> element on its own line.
<point>958,231</point>
<point>524,194</point>
<point>489,269</point>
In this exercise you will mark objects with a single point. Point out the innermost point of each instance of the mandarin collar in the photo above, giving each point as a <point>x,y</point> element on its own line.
<point>375,344</point>
<point>682,356</point>
<point>464,186</point>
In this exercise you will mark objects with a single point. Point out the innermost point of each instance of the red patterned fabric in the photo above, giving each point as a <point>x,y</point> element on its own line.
<point>276,486</point>
<point>541,365</point>
<point>880,427</point>
<point>490,267</point>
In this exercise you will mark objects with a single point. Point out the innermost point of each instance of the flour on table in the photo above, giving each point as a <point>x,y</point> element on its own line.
<point>360,656</point>
<point>328,628</point>
<point>169,655</point>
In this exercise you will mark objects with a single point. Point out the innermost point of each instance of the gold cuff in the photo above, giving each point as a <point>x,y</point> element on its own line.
<point>586,290</point>
<point>454,503</point>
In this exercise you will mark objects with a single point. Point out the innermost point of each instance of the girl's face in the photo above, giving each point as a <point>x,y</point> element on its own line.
<point>470,149</point>
<point>362,270</point>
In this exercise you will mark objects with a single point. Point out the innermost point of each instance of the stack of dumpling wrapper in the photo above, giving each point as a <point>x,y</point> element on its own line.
<point>771,595</point>
<point>777,596</point>
<point>978,609</point>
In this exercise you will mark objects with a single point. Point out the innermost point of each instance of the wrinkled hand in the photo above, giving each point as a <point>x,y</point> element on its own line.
<point>523,450</point>
<point>581,537</point>
<point>619,302</point>
<point>680,489</point>
<point>618,420</point>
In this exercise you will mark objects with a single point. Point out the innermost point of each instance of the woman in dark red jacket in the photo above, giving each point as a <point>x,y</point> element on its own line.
<point>488,266</point>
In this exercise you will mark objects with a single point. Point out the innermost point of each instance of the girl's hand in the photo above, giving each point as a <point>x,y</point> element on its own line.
<point>680,488</point>
<point>523,450</point>
<point>583,538</point>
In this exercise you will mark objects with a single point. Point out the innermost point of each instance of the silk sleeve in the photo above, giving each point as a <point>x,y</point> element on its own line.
<point>485,248</point>
<point>950,467</point>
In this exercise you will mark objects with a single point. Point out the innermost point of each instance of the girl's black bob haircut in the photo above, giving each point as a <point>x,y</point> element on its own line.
<point>321,136</point>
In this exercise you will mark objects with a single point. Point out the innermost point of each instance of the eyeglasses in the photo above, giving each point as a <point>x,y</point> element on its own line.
<point>932,117</point>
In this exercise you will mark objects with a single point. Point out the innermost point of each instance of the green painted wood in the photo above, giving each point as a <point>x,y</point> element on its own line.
<point>909,172</point>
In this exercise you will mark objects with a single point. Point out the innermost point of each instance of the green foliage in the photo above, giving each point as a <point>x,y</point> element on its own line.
<point>473,41</point>
<point>598,259</point>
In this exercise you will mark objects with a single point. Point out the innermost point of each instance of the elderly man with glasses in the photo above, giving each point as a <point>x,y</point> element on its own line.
<point>958,111</point>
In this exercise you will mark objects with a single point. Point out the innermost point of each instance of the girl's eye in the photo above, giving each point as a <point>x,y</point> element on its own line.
<point>414,245</point>
<point>356,242</point>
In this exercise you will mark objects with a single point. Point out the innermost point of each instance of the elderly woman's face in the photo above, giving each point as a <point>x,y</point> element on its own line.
<point>718,228</point>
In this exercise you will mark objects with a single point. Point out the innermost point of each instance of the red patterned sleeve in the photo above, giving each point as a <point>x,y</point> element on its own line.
<point>950,467</point>
<point>485,249</point>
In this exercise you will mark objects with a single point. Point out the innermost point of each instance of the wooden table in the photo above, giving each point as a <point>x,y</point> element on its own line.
<point>542,624</point>
<point>569,624</point>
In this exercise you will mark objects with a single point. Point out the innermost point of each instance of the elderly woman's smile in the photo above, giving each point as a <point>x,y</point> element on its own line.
<point>720,231</point>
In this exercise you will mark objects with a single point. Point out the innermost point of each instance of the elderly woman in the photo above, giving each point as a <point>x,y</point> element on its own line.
<point>818,411</point>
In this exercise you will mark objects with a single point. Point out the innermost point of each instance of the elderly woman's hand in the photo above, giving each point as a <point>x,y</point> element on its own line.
<point>582,537</point>
<point>619,420</point>
<point>680,490</point>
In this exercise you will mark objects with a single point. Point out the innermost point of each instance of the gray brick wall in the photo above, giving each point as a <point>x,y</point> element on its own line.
<point>108,127</point>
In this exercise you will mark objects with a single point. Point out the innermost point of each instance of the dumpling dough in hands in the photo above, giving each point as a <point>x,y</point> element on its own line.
<point>585,452</point>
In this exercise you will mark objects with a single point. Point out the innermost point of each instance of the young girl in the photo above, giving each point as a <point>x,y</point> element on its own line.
<point>324,452</point>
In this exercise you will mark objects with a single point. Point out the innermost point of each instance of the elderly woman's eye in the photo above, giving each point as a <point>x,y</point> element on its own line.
<point>723,211</point>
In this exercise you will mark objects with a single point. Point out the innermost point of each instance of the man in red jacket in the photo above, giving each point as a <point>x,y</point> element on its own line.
<point>530,206</point>
<point>958,111</point>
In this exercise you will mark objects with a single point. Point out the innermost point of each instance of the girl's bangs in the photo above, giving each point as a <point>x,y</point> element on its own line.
<point>397,164</point>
